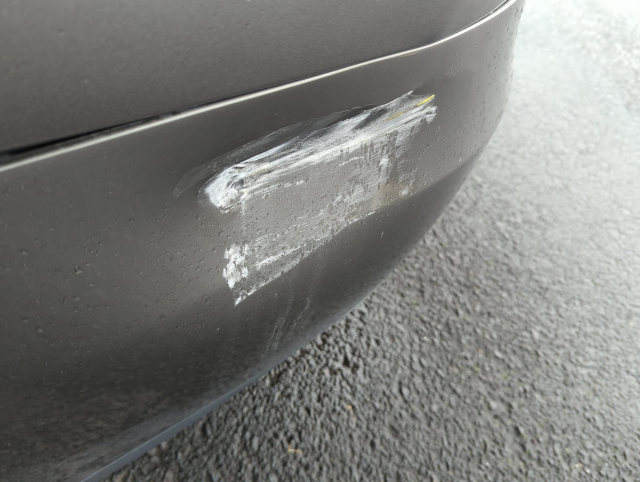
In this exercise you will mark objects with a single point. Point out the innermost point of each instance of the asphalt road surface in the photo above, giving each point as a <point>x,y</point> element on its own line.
<point>506,346</point>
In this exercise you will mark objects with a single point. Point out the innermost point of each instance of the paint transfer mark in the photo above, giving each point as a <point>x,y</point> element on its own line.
<point>292,196</point>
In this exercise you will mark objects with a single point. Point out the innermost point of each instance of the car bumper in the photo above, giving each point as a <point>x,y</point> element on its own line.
<point>127,309</point>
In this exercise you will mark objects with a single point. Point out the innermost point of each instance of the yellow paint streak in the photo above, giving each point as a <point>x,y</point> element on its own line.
<point>426,100</point>
<point>394,116</point>
<point>431,97</point>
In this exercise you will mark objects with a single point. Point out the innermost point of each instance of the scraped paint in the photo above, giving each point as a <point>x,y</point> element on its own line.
<point>295,196</point>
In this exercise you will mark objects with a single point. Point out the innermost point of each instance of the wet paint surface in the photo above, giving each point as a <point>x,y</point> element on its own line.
<point>319,182</point>
<point>147,336</point>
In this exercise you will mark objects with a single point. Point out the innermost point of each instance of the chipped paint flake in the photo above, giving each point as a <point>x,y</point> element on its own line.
<point>295,196</point>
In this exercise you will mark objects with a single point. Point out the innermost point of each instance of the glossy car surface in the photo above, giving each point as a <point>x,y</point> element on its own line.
<point>150,271</point>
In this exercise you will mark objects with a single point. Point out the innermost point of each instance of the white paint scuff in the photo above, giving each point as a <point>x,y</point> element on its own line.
<point>295,196</point>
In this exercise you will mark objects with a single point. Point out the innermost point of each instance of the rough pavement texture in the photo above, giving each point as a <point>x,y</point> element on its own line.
<point>506,346</point>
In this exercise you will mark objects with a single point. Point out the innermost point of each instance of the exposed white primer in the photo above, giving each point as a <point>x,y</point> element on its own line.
<point>236,270</point>
<point>295,196</point>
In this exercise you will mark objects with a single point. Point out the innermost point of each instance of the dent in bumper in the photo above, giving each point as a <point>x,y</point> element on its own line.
<point>336,175</point>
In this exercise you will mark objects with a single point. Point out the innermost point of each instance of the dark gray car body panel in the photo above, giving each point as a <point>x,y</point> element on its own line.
<point>71,67</point>
<point>116,323</point>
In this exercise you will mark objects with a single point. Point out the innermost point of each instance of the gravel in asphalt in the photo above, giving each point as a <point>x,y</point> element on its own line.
<point>506,346</point>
